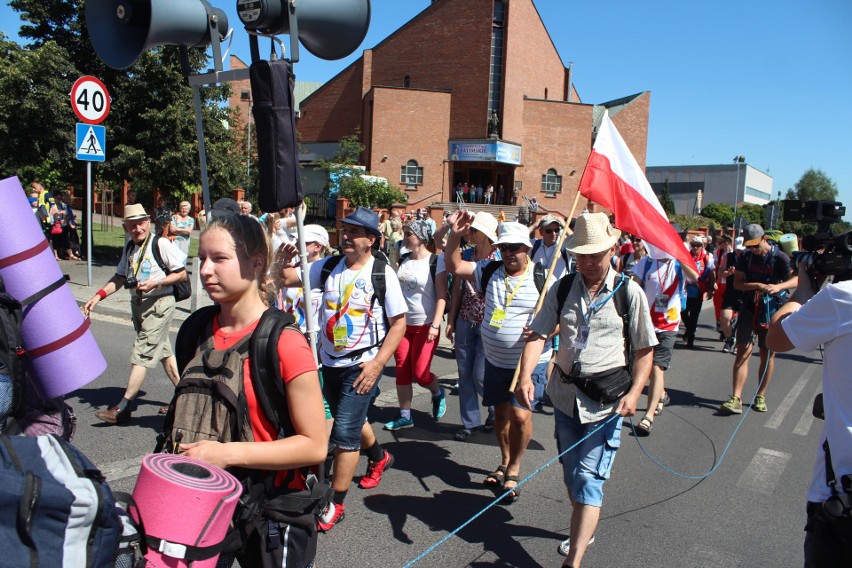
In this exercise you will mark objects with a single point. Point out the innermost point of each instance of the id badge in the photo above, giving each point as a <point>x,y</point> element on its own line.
<point>661,303</point>
<point>341,335</point>
<point>497,317</point>
<point>582,338</point>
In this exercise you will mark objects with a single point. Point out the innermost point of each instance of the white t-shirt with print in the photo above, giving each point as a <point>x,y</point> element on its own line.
<point>292,300</point>
<point>131,265</point>
<point>347,302</point>
<point>415,279</point>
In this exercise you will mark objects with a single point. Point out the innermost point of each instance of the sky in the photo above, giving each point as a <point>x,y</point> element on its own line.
<point>767,79</point>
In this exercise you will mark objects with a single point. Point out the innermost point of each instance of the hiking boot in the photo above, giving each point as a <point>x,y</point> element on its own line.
<point>733,406</point>
<point>114,415</point>
<point>759,404</point>
<point>399,423</point>
<point>728,347</point>
<point>375,470</point>
<point>331,515</point>
<point>439,404</point>
<point>565,545</point>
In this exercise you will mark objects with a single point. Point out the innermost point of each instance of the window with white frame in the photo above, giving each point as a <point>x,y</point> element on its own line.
<point>411,175</point>
<point>551,182</point>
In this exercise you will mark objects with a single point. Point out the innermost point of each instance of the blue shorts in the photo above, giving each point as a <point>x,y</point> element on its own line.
<point>347,406</point>
<point>586,467</point>
<point>495,388</point>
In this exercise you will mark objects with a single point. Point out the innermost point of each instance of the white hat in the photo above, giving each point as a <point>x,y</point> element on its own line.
<point>486,224</point>
<point>593,234</point>
<point>738,244</point>
<point>134,211</point>
<point>513,233</point>
<point>316,234</point>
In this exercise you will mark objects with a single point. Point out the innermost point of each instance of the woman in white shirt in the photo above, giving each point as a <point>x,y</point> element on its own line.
<point>424,286</point>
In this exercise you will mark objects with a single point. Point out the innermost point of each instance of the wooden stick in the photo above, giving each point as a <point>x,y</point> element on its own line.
<point>553,262</point>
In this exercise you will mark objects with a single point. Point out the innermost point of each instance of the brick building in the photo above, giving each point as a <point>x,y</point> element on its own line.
<point>423,101</point>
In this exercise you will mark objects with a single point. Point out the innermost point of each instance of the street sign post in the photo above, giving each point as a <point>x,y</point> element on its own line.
<point>90,99</point>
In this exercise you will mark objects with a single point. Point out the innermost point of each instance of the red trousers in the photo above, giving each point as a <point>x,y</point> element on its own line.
<point>414,356</point>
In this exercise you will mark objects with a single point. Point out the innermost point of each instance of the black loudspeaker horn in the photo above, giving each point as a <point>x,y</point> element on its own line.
<point>330,29</point>
<point>122,30</point>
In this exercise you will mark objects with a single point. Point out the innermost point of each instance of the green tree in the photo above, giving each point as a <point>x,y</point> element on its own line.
<point>814,184</point>
<point>689,222</point>
<point>373,193</point>
<point>721,213</point>
<point>666,200</point>
<point>753,213</point>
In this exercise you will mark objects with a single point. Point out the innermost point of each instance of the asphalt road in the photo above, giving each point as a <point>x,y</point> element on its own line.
<point>748,512</point>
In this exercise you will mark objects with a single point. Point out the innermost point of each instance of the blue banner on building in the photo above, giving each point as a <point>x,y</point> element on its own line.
<point>485,151</point>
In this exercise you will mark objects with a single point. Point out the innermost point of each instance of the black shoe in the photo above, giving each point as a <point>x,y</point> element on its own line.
<point>489,425</point>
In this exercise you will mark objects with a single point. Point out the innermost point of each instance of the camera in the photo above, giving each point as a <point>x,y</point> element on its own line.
<point>829,254</point>
<point>130,282</point>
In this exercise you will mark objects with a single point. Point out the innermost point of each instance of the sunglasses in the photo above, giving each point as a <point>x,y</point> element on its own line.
<point>514,247</point>
<point>551,231</point>
<point>696,246</point>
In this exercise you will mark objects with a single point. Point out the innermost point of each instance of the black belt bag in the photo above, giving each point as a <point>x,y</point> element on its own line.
<point>606,387</point>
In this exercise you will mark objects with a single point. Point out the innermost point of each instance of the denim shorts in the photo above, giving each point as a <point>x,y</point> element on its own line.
<point>347,406</point>
<point>495,388</point>
<point>586,467</point>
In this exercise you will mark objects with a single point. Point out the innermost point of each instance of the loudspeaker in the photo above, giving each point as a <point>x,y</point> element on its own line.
<point>330,29</point>
<point>122,30</point>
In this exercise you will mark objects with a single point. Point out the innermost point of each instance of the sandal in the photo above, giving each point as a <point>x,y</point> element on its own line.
<point>462,434</point>
<point>497,478</point>
<point>644,426</point>
<point>163,410</point>
<point>664,401</point>
<point>514,492</point>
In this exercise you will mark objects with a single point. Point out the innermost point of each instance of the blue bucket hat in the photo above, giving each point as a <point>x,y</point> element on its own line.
<point>366,218</point>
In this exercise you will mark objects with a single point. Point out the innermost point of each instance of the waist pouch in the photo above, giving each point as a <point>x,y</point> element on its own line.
<point>606,387</point>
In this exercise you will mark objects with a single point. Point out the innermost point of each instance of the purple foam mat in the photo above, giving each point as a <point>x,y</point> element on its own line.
<point>54,316</point>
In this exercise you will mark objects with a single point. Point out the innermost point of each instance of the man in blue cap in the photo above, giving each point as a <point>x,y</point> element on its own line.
<point>362,322</point>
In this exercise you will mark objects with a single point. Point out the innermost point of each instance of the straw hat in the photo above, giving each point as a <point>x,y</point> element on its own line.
<point>593,234</point>
<point>512,233</point>
<point>486,224</point>
<point>134,212</point>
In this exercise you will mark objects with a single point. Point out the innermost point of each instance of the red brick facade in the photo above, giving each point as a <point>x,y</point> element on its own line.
<point>427,84</point>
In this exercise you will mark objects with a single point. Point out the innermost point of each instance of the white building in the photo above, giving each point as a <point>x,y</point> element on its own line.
<point>724,183</point>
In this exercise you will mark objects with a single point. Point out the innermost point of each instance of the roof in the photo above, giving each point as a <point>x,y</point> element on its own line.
<point>614,107</point>
<point>302,90</point>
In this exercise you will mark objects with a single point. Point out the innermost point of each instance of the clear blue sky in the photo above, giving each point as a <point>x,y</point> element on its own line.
<point>768,79</point>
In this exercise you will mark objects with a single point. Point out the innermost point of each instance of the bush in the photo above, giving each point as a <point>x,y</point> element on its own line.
<point>371,193</point>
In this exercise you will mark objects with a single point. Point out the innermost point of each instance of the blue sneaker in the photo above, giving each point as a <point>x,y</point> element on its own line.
<point>439,404</point>
<point>399,423</point>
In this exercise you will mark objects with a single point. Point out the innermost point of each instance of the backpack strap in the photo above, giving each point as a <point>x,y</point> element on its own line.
<point>265,364</point>
<point>539,276</point>
<point>327,268</point>
<point>191,333</point>
<point>622,307</point>
<point>487,272</point>
<point>565,284</point>
<point>535,247</point>
<point>158,258</point>
<point>433,266</point>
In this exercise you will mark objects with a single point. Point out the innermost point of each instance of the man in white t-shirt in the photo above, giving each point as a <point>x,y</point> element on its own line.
<point>511,293</point>
<point>152,305</point>
<point>825,319</point>
<point>544,249</point>
<point>358,334</point>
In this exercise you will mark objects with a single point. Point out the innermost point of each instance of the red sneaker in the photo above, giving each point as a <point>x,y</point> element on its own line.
<point>332,515</point>
<point>375,470</point>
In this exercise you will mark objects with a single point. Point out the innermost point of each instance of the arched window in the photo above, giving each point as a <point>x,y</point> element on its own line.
<point>411,175</point>
<point>406,82</point>
<point>551,182</point>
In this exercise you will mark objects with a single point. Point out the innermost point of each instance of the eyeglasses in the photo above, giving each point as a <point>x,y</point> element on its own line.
<point>514,247</point>
<point>551,231</point>
<point>473,230</point>
<point>696,245</point>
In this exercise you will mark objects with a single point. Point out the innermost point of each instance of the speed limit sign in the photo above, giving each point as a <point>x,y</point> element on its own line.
<point>90,100</point>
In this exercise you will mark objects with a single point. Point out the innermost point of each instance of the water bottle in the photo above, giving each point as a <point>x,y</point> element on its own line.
<point>6,392</point>
<point>145,270</point>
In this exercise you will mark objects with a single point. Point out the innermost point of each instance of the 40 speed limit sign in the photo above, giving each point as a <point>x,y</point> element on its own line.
<point>90,100</point>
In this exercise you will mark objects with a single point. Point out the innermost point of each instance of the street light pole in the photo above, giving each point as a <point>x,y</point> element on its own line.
<point>246,96</point>
<point>737,160</point>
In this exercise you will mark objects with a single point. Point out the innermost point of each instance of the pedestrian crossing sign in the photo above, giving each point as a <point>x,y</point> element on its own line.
<point>91,142</point>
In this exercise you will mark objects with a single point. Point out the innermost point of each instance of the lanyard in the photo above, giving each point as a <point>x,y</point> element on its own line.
<point>141,255</point>
<point>665,280</point>
<point>595,306</point>
<point>343,295</point>
<point>510,297</point>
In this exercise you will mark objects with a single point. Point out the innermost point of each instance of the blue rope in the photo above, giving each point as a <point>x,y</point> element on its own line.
<point>727,446</point>
<point>499,498</point>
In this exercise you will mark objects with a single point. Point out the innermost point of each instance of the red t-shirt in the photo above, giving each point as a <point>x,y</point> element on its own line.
<point>296,359</point>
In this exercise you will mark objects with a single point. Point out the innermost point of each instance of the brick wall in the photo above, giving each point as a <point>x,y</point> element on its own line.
<point>632,124</point>
<point>333,111</point>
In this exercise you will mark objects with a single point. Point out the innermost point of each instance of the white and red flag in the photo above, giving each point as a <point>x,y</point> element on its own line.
<point>613,179</point>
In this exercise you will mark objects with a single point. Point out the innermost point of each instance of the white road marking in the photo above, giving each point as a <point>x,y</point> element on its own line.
<point>807,419</point>
<point>764,471</point>
<point>781,412</point>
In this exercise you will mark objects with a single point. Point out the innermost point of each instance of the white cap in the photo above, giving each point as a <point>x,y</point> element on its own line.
<point>316,234</point>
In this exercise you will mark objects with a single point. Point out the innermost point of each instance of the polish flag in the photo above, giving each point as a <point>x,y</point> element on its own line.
<point>613,179</point>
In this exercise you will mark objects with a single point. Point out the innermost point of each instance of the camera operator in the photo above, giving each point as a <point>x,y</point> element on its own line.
<point>807,321</point>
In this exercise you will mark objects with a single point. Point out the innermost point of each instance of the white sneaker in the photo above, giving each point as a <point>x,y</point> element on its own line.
<point>565,545</point>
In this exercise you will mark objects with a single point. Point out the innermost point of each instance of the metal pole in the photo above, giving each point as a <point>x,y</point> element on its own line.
<point>248,152</point>
<point>736,195</point>
<point>306,281</point>
<point>89,223</point>
<point>202,151</point>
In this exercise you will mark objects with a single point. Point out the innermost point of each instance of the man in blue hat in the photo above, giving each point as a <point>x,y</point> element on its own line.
<point>362,322</point>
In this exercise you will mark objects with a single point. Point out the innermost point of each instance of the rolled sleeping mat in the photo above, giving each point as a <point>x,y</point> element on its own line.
<point>789,244</point>
<point>61,352</point>
<point>184,506</point>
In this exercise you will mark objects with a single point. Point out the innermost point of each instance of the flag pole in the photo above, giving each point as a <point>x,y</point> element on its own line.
<point>547,277</point>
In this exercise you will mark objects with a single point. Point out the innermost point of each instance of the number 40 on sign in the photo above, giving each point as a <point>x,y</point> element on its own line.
<point>90,100</point>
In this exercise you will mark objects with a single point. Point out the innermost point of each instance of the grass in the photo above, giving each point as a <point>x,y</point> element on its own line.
<point>108,245</point>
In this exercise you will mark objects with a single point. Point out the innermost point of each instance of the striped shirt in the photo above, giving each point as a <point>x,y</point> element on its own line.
<point>503,345</point>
